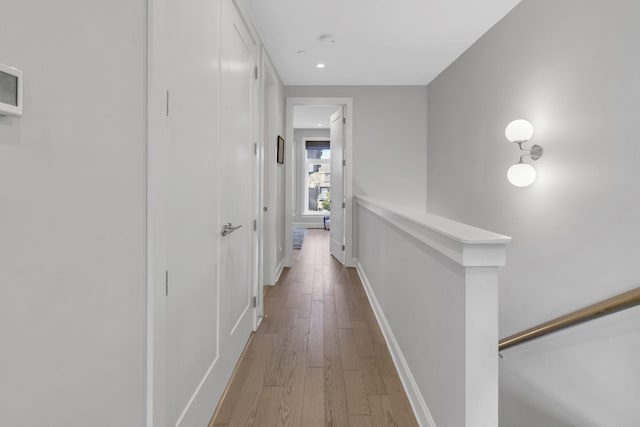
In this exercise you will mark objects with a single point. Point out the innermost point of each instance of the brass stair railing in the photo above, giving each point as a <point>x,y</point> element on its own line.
<point>612,305</point>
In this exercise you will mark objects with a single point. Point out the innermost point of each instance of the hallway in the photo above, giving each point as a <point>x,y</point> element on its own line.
<point>319,358</point>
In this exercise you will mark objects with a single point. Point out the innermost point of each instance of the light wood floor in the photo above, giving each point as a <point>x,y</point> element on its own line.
<point>319,358</point>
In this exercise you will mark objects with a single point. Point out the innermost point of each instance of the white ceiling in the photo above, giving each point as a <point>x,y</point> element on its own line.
<point>392,42</point>
<point>310,116</point>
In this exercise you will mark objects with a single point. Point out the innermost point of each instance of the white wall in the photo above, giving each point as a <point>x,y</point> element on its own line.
<point>571,69</point>
<point>389,138</point>
<point>300,220</point>
<point>72,216</point>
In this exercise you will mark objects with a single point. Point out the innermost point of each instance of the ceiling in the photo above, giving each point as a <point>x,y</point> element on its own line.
<point>312,116</point>
<point>377,42</point>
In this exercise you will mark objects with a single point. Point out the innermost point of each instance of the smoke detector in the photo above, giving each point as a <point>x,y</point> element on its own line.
<point>327,39</point>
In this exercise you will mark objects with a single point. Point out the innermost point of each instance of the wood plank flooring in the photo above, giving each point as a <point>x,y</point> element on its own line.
<point>319,358</point>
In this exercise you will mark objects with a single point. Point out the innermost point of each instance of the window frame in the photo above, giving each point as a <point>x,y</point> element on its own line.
<point>304,164</point>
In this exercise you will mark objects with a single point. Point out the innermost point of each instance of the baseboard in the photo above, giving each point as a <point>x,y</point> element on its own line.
<point>308,224</point>
<point>423,415</point>
<point>279,269</point>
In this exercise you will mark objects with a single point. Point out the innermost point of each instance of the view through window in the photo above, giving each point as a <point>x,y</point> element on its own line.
<point>317,177</point>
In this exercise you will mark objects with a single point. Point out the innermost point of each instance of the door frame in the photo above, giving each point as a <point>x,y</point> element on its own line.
<point>290,184</point>
<point>268,113</point>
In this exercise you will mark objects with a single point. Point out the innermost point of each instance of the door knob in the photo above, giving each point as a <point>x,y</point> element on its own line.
<point>228,228</point>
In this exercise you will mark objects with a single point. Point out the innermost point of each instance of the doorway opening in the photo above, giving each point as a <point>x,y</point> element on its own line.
<point>270,209</point>
<point>318,173</point>
<point>312,152</point>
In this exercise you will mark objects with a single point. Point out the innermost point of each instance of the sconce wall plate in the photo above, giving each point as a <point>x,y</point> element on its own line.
<point>535,152</point>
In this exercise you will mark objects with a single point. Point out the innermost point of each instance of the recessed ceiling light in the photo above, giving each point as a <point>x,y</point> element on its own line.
<point>301,52</point>
<point>320,65</point>
<point>319,125</point>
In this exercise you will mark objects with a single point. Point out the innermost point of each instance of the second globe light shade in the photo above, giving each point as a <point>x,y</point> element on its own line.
<point>521,174</point>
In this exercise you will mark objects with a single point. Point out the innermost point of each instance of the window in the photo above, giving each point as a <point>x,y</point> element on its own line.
<point>317,177</point>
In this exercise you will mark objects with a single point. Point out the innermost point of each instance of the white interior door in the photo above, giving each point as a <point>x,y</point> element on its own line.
<point>336,133</point>
<point>193,306</point>
<point>236,166</point>
<point>211,178</point>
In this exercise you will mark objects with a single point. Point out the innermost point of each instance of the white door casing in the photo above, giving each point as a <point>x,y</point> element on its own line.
<point>290,196</point>
<point>336,135</point>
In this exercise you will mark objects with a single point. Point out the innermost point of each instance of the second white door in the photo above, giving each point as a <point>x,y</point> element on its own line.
<point>336,133</point>
<point>236,162</point>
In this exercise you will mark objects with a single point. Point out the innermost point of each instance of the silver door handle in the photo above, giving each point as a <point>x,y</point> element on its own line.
<point>228,228</point>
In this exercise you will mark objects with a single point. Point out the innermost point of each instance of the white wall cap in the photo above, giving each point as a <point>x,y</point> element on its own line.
<point>467,245</point>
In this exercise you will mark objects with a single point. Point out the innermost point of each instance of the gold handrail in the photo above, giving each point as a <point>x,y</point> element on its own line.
<point>612,305</point>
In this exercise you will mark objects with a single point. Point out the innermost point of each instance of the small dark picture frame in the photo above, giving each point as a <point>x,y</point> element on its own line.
<point>280,153</point>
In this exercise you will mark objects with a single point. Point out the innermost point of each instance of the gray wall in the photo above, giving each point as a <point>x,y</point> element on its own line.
<point>390,134</point>
<point>298,136</point>
<point>72,215</point>
<point>571,68</point>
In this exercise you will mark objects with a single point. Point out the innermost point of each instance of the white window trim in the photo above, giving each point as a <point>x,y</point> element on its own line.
<point>303,164</point>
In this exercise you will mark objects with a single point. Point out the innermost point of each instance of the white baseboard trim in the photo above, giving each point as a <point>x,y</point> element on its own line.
<point>423,415</point>
<point>279,269</point>
<point>309,224</point>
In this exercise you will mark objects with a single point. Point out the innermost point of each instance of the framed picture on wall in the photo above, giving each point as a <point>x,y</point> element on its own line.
<point>280,153</point>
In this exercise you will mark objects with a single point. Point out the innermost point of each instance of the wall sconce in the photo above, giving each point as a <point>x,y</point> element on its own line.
<point>522,174</point>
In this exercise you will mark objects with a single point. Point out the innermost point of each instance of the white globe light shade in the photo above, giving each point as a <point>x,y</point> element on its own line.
<point>521,174</point>
<point>519,131</point>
